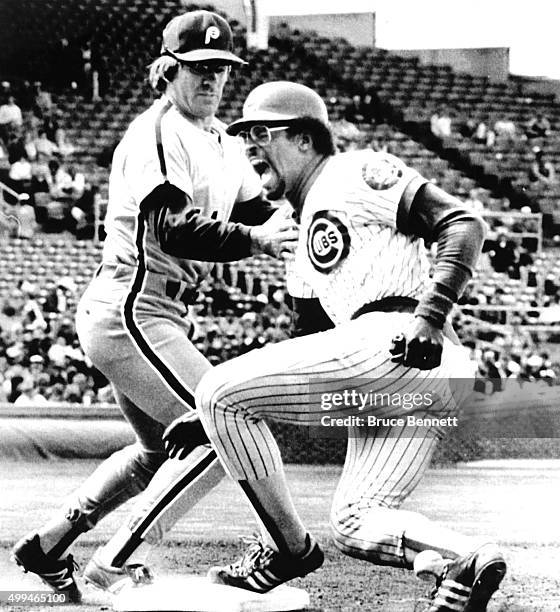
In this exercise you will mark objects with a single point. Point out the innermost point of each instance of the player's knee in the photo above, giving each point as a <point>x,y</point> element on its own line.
<point>365,533</point>
<point>141,463</point>
<point>147,463</point>
<point>125,474</point>
<point>208,393</point>
<point>342,523</point>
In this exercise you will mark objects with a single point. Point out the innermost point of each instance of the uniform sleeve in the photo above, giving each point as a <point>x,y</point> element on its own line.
<point>252,212</point>
<point>388,188</point>
<point>182,231</point>
<point>148,166</point>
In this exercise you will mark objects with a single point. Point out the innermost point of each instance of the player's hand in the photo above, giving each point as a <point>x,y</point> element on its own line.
<point>276,237</point>
<point>419,347</point>
<point>183,435</point>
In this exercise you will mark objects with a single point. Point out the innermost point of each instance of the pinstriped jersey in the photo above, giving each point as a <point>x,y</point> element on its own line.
<point>210,167</point>
<point>350,251</point>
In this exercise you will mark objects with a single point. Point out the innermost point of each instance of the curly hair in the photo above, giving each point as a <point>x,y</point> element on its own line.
<point>162,72</point>
<point>320,133</point>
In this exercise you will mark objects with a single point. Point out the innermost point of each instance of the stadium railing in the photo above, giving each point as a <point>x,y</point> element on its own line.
<point>527,219</point>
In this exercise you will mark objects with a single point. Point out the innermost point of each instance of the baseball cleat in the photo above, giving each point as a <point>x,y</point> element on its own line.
<point>58,574</point>
<point>468,583</point>
<point>262,568</point>
<point>113,579</point>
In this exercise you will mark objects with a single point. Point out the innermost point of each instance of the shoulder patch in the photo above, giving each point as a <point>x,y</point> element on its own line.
<point>328,241</point>
<point>381,173</point>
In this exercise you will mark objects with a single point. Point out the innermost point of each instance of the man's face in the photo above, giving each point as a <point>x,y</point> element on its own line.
<point>197,88</point>
<point>275,157</point>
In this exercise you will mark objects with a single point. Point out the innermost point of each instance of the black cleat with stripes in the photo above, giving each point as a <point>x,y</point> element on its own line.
<point>56,573</point>
<point>262,568</point>
<point>468,583</point>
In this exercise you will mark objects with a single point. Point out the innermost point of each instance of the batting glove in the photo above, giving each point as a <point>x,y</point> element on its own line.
<point>420,347</point>
<point>183,435</point>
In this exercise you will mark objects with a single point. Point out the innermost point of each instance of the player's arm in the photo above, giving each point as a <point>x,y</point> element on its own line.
<point>438,217</point>
<point>255,211</point>
<point>183,231</point>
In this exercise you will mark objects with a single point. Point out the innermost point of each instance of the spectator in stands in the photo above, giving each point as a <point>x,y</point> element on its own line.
<point>484,135</point>
<point>79,390</point>
<point>59,351</point>
<point>503,254</point>
<point>36,361</point>
<point>505,130</point>
<point>65,148</point>
<point>31,312</point>
<point>78,183</point>
<point>20,175</point>
<point>55,392</point>
<point>542,171</point>
<point>491,370</point>
<point>10,117</point>
<point>10,323</point>
<point>28,395</point>
<point>83,213</point>
<point>45,147</point>
<point>538,127</point>
<point>42,101</point>
<point>441,123</point>
<point>57,300</point>
<point>434,123</point>
<point>62,182</point>
<point>51,125</point>
<point>41,184</point>
<point>29,145</point>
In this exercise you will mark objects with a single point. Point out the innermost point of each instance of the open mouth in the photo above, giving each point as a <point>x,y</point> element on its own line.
<point>264,170</point>
<point>260,166</point>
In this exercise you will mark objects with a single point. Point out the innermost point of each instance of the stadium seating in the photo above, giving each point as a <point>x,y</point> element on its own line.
<point>123,36</point>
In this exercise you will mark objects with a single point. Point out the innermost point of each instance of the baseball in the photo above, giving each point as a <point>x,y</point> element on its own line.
<point>428,565</point>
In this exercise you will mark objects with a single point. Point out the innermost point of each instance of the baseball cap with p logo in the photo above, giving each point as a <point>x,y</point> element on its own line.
<point>199,36</point>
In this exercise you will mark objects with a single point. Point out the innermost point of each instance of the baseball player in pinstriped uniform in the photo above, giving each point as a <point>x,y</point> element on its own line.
<point>364,217</point>
<point>182,195</point>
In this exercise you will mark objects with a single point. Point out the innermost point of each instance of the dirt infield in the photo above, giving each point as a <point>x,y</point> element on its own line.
<point>511,501</point>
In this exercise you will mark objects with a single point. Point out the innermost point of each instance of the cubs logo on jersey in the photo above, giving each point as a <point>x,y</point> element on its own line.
<point>381,173</point>
<point>328,241</point>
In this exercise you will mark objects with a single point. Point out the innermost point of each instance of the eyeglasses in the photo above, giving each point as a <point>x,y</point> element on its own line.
<point>260,135</point>
<point>204,69</point>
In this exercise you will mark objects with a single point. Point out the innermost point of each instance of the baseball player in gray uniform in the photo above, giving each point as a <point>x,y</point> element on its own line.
<point>182,194</point>
<point>364,220</point>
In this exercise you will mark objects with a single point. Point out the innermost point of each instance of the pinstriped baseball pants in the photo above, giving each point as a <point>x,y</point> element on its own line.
<point>286,382</point>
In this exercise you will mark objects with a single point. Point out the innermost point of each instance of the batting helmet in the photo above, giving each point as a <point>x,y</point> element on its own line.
<point>277,102</point>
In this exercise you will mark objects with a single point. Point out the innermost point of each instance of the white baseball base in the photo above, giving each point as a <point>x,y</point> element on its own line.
<point>197,594</point>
